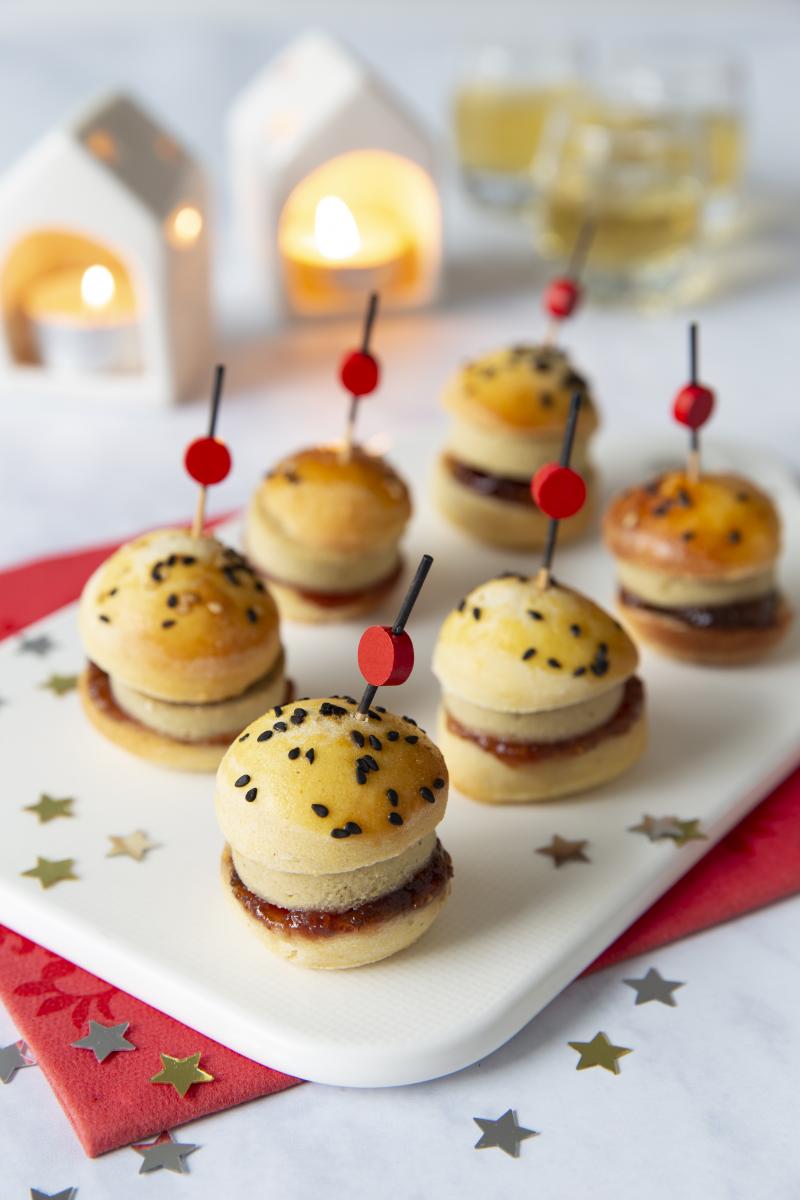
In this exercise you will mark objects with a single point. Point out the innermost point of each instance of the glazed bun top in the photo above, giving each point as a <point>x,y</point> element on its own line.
<point>721,525</point>
<point>326,501</point>
<point>523,388</point>
<point>180,618</point>
<point>511,646</point>
<point>310,787</point>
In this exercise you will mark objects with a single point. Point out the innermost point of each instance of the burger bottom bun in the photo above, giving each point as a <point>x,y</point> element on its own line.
<point>482,776</point>
<point>295,605</point>
<point>136,738</point>
<point>708,647</point>
<point>502,522</point>
<point>355,948</point>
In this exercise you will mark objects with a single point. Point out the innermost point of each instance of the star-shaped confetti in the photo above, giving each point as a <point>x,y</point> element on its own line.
<point>134,845</point>
<point>657,828</point>
<point>104,1040</point>
<point>164,1154</point>
<point>690,831</point>
<point>67,1194</point>
<point>504,1133</point>
<point>59,685</point>
<point>51,871</point>
<point>182,1073</point>
<point>653,986</point>
<point>12,1059</point>
<point>40,645</point>
<point>561,850</point>
<point>47,808</point>
<point>599,1052</point>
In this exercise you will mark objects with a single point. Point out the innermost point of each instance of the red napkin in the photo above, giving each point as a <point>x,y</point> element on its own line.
<point>114,1103</point>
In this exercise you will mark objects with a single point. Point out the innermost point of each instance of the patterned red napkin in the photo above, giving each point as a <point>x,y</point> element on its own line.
<point>114,1103</point>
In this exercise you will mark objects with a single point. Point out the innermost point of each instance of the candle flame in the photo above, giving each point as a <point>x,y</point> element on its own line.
<point>335,230</point>
<point>97,286</point>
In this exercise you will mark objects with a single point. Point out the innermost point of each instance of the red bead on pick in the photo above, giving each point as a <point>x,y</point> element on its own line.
<point>558,491</point>
<point>385,658</point>
<point>693,405</point>
<point>207,460</point>
<point>562,297</point>
<point>360,373</point>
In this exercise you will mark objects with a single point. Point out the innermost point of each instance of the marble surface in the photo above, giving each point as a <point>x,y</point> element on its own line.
<point>705,1107</point>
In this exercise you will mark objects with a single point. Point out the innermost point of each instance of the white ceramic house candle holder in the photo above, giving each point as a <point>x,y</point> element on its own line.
<point>104,262</point>
<point>333,185</point>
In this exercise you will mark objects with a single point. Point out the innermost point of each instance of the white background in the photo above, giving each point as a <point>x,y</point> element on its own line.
<point>705,1106</point>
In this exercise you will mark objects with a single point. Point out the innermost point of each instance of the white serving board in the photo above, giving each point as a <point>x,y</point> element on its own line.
<point>516,929</point>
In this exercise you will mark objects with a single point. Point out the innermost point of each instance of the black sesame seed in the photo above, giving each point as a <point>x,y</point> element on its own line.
<point>265,736</point>
<point>546,400</point>
<point>173,558</point>
<point>352,827</point>
<point>438,782</point>
<point>320,810</point>
<point>280,727</point>
<point>688,535</point>
<point>244,737</point>
<point>735,536</point>
<point>167,624</point>
<point>409,720</point>
<point>392,796</point>
<point>380,708</point>
<point>579,671</point>
<point>113,591</point>
<point>251,795</point>
<point>172,600</point>
<point>357,737</point>
<point>661,509</point>
<point>310,755</point>
<point>278,710</point>
<point>340,833</point>
<point>294,752</point>
<point>553,662</point>
<point>258,585</point>
<point>743,496</point>
<point>230,575</point>
<point>155,572</point>
<point>537,616</point>
<point>188,560</point>
<point>575,630</point>
<point>242,781</point>
<point>684,499</point>
<point>373,713</point>
<point>412,739</point>
<point>427,794</point>
<point>102,617</point>
<point>361,775</point>
<point>462,604</point>
<point>599,666</point>
<point>394,818</point>
<point>349,699</point>
<point>252,615</point>
<point>376,743</point>
<point>393,735</point>
<point>369,763</point>
<point>529,653</point>
<point>602,648</point>
<point>476,612</point>
<point>298,716</point>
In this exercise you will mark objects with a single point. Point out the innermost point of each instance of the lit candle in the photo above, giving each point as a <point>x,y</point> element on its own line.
<point>83,319</point>
<point>341,251</point>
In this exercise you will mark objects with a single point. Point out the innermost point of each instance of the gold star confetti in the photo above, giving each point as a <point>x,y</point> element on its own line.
<point>561,850</point>
<point>59,685</point>
<point>47,808</point>
<point>50,872</point>
<point>599,1052</point>
<point>690,831</point>
<point>135,845</point>
<point>182,1073</point>
<point>657,828</point>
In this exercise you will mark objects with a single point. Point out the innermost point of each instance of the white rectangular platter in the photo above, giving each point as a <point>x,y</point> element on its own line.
<point>516,929</point>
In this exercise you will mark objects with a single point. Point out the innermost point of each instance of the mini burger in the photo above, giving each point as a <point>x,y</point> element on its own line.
<point>324,528</point>
<point>330,819</point>
<point>540,695</point>
<point>509,411</point>
<point>696,565</point>
<point>184,648</point>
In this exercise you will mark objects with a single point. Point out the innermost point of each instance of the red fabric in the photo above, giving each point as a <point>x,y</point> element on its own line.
<point>113,1103</point>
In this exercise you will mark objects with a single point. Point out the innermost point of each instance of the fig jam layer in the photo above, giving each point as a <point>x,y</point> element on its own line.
<point>521,753</point>
<point>99,689</point>
<point>337,599</point>
<point>418,892</point>
<point>761,613</point>
<point>498,487</point>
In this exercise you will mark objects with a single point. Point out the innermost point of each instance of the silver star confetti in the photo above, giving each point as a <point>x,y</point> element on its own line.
<point>164,1154</point>
<point>653,986</point>
<point>657,828</point>
<point>562,850</point>
<point>12,1059</point>
<point>67,1194</point>
<point>105,1039</point>
<point>504,1133</point>
<point>134,845</point>
<point>38,645</point>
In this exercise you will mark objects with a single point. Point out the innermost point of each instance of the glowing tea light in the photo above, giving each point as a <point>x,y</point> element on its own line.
<point>342,249</point>
<point>185,225</point>
<point>83,319</point>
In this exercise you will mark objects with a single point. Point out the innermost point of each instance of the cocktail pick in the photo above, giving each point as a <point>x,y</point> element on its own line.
<point>564,293</point>
<point>693,406</point>
<point>208,459</point>
<point>558,491</point>
<point>386,652</point>
<point>360,372</point>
